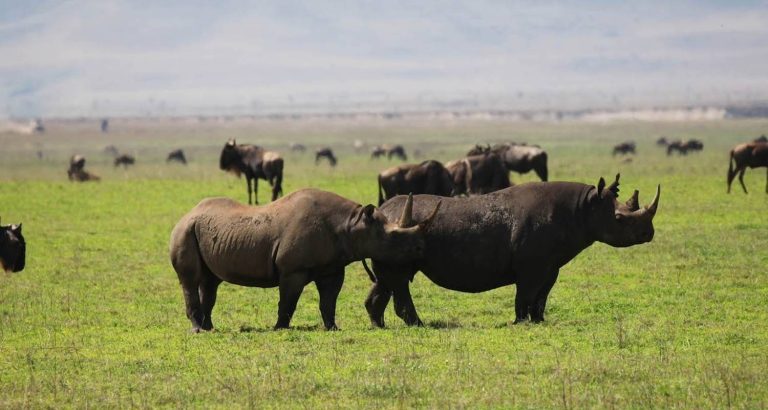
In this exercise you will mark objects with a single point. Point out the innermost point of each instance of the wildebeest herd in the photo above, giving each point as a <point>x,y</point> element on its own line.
<point>463,224</point>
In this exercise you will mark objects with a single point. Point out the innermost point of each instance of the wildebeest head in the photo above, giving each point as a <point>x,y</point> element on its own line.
<point>375,236</point>
<point>13,248</point>
<point>230,158</point>
<point>618,224</point>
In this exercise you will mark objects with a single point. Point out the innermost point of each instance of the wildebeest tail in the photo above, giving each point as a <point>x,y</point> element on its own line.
<point>371,276</point>
<point>381,196</point>
<point>467,175</point>
<point>730,167</point>
<point>277,188</point>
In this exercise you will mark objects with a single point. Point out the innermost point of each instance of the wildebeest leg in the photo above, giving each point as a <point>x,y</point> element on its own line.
<point>248,184</point>
<point>207,289</point>
<point>376,303</point>
<point>404,307</point>
<point>731,175</point>
<point>329,287</point>
<point>741,179</point>
<point>766,180</point>
<point>537,308</point>
<point>291,286</point>
<point>256,190</point>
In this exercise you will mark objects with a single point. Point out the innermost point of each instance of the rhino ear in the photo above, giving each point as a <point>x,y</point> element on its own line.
<point>368,212</point>
<point>16,229</point>
<point>600,186</point>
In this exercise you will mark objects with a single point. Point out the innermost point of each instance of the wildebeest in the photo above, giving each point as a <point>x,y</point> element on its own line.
<point>761,138</point>
<point>125,160</point>
<point>624,148</point>
<point>478,174</point>
<point>307,236</point>
<point>13,248</point>
<point>77,172</point>
<point>111,150</point>
<point>105,125</point>
<point>749,154</point>
<point>177,155</point>
<point>325,153</point>
<point>389,151</point>
<point>662,141</point>
<point>683,147</point>
<point>296,147</point>
<point>255,162</point>
<point>428,177</point>
<point>522,235</point>
<point>520,158</point>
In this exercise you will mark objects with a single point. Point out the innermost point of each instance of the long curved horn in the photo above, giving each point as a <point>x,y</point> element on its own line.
<point>634,201</point>
<point>406,219</point>
<point>427,222</point>
<point>655,203</point>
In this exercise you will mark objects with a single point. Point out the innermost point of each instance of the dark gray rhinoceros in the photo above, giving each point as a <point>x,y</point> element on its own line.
<point>522,235</point>
<point>307,236</point>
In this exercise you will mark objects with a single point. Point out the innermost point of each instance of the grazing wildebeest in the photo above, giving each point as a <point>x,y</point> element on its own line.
<point>105,125</point>
<point>325,153</point>
<point>683,147</point>
<point>176,155</point>
<point>296,147</point>
<point>307,236</point>
<point>662,141</point>
<point>624,148</point>
<point>125,160</point>
<point>397,151</point>
<point>520,158</point>
<point>378,151</point>
<point>749,154</point>
<point>255,162</point>
<point>761,138</point>
<point>478,174</point>
<point>37,126</point>
<point>13,248</point>
<point>77,172</point>
<point>522,235</point>
<point>428,177</point>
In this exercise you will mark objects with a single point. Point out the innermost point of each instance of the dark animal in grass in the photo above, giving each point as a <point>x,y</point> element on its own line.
<point>684,147</point>
<point>520,158</point>
<point>111,150</point>
<point>77,172</point>
<point>428,177</point>
<point>478,174</point>
<point>255,162</point>
<point>125,160</point>
<point>378,151</point>
<point>326,153</point>
<point>761,138</point>
<point>662,141</point>
<point>104,125</point>
<point>176,156</point>
<point>521,235</point>
<point>750,154</point>
<point>624,148</point>
<point>307,236</point>
<point>13,248</point>
<point>296,147</point>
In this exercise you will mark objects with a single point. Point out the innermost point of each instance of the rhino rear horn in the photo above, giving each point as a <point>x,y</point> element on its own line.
<point>634,201</point>
<point>655,203</point>
<point>427,222</point>
<point>406,219</point>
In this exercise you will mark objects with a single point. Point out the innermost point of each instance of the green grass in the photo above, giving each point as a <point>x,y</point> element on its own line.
<point>97,317</point>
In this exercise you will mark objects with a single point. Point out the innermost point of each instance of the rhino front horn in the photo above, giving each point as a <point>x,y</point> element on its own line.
<point>655,203</point>
<point>634,201</point>
<point>406,219</point>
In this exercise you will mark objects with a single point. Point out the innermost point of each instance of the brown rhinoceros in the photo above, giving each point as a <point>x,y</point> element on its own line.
<point>307,236</point>
<point>521,235</point>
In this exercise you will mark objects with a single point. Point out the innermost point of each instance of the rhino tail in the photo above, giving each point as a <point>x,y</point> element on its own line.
<point>370,273</point>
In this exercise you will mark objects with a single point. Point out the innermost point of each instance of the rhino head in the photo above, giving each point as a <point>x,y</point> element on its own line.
<point>13,248</point>
<point>374,236</point>
<point>618,224</point>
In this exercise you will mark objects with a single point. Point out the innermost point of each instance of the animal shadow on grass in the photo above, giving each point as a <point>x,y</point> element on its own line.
<point>443,324</point>
<point>268,329</point>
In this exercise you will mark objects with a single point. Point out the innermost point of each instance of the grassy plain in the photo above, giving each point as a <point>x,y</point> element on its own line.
<point>97,317</point>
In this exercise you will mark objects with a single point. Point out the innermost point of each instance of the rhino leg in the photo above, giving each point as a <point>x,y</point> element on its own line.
<point>291,286</point>
<point>540,302</point>
<point>404,307</point>
<point>207,290</point>
<point>188,264</point>
<point>329,287</point>
<point>376,303</point>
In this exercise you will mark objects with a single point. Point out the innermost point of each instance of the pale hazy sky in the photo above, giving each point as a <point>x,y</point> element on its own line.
<point>111,57</point>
